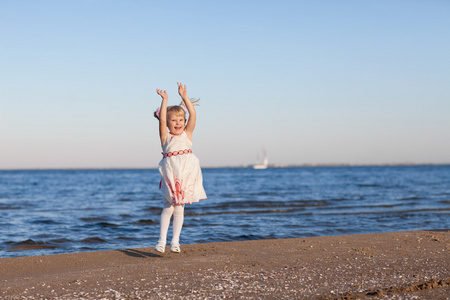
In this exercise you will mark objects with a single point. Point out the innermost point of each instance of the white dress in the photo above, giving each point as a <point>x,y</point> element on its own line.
<point>181,176</point>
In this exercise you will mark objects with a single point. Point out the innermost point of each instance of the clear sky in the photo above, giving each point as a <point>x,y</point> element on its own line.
<point>359,82</point>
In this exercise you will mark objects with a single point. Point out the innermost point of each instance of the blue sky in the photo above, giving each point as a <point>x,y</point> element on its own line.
<point>313,82</point>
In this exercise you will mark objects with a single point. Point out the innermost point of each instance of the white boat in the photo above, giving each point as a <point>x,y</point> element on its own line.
<point>264,164</point>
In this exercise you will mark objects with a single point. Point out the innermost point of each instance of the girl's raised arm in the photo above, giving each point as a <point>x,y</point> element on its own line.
<point>190,107</point>
<point>163,133</point>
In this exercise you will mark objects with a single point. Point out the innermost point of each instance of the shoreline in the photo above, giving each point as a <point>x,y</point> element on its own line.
<point>393,264</point>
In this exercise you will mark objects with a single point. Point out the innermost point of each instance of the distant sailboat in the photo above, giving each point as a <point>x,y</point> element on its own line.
<point>264,164</point>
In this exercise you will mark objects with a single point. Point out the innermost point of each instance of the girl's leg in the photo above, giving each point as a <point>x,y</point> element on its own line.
<point>165,222</point>
<point>178,219</point>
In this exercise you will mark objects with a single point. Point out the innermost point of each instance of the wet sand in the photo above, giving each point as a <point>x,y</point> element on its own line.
<point>397,265</point>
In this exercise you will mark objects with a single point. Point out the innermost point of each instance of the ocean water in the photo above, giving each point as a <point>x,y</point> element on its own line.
<point>61,211</point>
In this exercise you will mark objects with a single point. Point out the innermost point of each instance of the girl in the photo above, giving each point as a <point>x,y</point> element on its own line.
<point>182,180</point>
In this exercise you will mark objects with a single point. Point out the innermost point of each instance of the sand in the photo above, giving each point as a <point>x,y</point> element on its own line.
<point>397,265</point>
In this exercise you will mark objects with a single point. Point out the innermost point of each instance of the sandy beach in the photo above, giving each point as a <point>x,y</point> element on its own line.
<point>397,265</point>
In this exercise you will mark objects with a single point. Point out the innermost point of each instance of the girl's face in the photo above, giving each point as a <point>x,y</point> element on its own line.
<point>175,123</point>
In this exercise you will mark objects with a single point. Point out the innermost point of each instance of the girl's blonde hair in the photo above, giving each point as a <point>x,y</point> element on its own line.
<point>178,110</point>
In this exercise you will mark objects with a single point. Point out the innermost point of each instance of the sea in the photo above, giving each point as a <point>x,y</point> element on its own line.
<point>44,212</point>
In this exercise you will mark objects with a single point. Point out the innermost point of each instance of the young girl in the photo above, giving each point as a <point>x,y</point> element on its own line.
<point>182,180</point>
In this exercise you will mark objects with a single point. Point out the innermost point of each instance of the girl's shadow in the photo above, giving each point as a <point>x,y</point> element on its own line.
<point>138,253</point>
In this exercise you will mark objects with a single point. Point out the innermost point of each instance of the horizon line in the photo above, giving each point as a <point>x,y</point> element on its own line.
<point>271,166</point>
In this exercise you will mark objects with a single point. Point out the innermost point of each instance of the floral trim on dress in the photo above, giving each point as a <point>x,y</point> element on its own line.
<point>181,191</point>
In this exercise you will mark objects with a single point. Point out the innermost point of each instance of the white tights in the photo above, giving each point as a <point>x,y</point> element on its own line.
<point>178,217</point>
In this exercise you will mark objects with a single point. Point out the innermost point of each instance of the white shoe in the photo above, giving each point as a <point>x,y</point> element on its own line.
<point>160,247</point>
<point>175,248</point>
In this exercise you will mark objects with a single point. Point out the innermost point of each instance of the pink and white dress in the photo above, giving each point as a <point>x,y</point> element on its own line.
<point>182,180</point>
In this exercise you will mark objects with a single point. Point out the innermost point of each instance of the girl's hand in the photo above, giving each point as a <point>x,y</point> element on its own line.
<point>163,94</point>
<point>182,90</point>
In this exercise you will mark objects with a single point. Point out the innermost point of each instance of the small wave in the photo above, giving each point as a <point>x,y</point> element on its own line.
<point>250,237</point>
<point>31,245</point>
<point>244,212</point>
<point>444,194</point>
<point>93,240</point>
<point>7,207</point>
<point>61,241</point>
<point>153,208</point>
<point>145,222</point>
<point>127,238</point>
<point>389,212</point>
<point>362,206</point>
<point>106,224</point>
<point>92,219</point>
<point>264,204</point>
<point>411,198</point>
<point>231,195</point>
<point>298,203</point>
<point>247,237</point>
<point>45,221</point>
<point>128,193</point>
<point>264,194</point>
<point>369,185</point>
